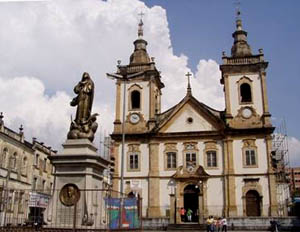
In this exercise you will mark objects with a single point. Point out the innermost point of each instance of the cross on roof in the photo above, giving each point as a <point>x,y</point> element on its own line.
<point>188,76</point>
<point>141,14</point>
<point>238,11</point>
<point>189,91</point>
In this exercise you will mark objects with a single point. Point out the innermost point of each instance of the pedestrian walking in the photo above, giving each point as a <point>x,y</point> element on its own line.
<point>224,224</point>
<point>182,214</point>
<point>210,224</point>
<point>219,224</point>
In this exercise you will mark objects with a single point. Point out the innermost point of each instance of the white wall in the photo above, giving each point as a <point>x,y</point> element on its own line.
<point>215,196</point>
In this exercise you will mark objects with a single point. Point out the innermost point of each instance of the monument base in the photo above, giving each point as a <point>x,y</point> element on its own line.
<point>80,167</point>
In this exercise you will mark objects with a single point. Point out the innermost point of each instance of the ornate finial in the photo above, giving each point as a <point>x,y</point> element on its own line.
<point>189,90</point>
<point>1,118</point>
<point>238,15</point>
<point>141,31</point>
<point>21,130</point>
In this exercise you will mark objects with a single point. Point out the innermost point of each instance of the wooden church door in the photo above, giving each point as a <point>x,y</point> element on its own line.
<point>252,203</point>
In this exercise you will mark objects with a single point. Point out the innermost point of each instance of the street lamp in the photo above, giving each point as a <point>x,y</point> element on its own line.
<point>123,76</point>
<point>172,184</point>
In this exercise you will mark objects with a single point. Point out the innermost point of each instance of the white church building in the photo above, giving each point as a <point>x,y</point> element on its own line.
<point>192,156</point>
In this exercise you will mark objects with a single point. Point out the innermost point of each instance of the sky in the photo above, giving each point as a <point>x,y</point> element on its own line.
<point>45,46</point>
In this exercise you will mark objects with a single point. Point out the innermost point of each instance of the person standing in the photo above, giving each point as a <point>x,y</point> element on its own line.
<point>182,214</point>
<point>224,224</point>
<point>189,213</point>
<point>219,224</point>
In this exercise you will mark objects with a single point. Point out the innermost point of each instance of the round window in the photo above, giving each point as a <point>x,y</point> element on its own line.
<point>189,120</point>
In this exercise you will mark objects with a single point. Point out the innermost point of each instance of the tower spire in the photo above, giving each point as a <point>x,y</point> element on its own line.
<point>189,89</point>
<point>140,55</point>
<point>240,47</point>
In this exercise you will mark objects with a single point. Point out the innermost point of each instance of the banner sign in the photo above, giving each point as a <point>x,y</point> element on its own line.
<point>129,213</point>
<point>38,200</point>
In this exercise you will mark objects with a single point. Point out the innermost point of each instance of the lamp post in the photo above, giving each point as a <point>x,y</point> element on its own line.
<point>123,76</point>
<point>172,184</point>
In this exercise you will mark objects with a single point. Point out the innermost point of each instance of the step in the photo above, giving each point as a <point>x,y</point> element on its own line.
<point>186,226</point>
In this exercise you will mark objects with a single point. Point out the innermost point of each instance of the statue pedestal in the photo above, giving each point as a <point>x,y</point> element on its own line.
<point>78,165</point>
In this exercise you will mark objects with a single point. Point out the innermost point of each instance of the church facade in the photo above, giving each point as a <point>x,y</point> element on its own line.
<point>192,156</point>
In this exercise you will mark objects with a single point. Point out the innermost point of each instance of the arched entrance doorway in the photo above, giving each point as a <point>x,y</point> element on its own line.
<point>252,203</point>
<point>191,201</point>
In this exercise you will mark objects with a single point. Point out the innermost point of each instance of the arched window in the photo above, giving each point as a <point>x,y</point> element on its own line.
<point>245,91</point>
<point>24,166</point>
<point>3,157</point>
<point>13,161</point>
<point>135,100</point>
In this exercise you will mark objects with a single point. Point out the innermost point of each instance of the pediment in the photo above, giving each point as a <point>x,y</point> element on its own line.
<point>184,173</point>
<point>189,118</point>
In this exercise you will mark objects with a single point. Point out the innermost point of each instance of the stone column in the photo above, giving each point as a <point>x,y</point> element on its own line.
<point>154,181</point>
<point>204,201</point>
<point>172,208</point>
<point>230,207</point>
<point>152,103</point>
<point>273,210</point>
<point>266,113</point>
<point>228,114</point>
<point>201,209</point>
<point>117,122</point>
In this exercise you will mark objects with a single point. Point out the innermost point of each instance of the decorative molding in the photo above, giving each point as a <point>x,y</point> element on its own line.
<point>190,147</point>
<point>249,144</point>
<point>239,121</point>
<point>210,146</point>
<point>170,147</point>
<point>134,149</point>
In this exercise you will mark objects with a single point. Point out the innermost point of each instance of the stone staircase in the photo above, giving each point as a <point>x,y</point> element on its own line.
<point>187,226</point>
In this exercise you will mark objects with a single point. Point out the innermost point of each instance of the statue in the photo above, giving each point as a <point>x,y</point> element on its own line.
<point>84,125</point>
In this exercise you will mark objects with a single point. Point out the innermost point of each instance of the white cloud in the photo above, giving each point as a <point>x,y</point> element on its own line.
<point>294,151</point>
<point>56,41</point>
<point>24,102</point>
<point>23,0</point>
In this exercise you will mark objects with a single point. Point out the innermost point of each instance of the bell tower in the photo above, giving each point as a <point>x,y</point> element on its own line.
<point>138,88</point>
<point>244,80</point>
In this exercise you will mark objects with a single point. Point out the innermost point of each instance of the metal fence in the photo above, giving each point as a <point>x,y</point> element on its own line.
<point>93,210</point>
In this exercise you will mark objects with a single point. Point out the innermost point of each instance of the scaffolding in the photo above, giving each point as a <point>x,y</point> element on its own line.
<point>106,146</point>
<point>281,166</point>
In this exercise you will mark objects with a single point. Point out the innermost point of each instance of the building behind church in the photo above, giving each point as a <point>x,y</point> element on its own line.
<point>191,155</point>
